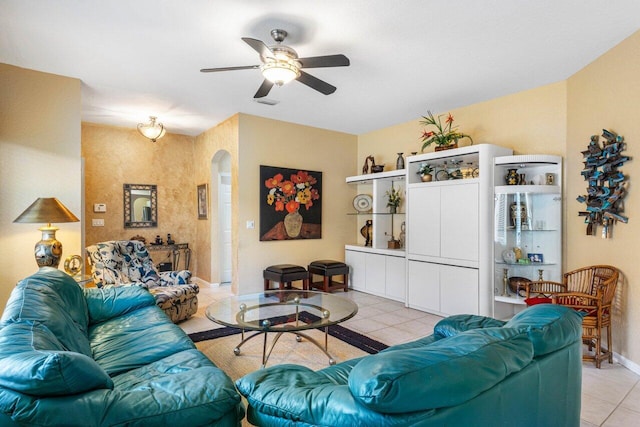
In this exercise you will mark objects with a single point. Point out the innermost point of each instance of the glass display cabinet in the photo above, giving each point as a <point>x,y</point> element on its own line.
<point>527,244</point>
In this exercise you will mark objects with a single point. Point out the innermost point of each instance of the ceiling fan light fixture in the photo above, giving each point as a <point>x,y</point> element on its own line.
<point>280,72</point>
<point>153,130</point>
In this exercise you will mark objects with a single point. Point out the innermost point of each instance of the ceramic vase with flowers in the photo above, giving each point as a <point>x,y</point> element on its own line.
<point>394,197</point>
<point>444,136</point>
<point>424,170</point>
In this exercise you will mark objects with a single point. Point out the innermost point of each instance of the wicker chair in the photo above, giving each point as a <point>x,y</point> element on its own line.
<point>589,290</point>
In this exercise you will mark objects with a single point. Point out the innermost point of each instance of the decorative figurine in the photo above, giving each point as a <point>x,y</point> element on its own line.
<point>365,231</point>
<point>169,240</point>
<point>158,240</point>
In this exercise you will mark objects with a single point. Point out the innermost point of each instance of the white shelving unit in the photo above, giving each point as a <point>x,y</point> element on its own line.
<point>449,231</point>
<point>377,269</point>
<point>528,223</point>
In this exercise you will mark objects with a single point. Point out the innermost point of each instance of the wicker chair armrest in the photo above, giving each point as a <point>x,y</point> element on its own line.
<point>544,287</point>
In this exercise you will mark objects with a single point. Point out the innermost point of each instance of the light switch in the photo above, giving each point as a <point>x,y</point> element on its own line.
<point>251,225</point>
<point>97,222</point>
<point>100,207</point>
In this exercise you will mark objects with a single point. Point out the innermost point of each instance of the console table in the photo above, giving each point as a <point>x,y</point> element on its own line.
<point>175,250</point>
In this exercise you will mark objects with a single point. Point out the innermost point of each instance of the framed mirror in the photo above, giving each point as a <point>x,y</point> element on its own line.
<point>140,206</point>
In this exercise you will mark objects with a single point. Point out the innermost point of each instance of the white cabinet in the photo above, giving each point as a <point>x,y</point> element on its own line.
<point>449,230</point>
<point>376,273</point>
<point>527,239</point>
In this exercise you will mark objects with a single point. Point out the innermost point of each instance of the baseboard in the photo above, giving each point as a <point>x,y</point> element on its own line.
<point>200,282</point>
<point>630,365</point>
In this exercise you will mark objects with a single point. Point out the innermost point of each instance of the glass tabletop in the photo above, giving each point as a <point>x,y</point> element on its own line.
<point>287,310</point>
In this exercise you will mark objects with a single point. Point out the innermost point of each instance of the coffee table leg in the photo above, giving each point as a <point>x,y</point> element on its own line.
<point>317,344</point>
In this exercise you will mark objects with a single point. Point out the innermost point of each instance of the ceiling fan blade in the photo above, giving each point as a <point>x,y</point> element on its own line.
<point>259,47</point>
<point>316,83</point>
<point>242,67</point>
<point>264,89</point>
<point>324,61</point>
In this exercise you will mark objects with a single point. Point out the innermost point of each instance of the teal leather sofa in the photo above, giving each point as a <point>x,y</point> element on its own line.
<point>103,357</point>
<point>473,371</point>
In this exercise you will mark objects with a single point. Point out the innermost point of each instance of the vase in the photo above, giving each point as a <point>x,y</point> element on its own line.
<point>512,177</point>
<point>427,177</point>
<point>393,209</point>
<point>446,147</point>
<point>293,224</point>
<point>400,162</point>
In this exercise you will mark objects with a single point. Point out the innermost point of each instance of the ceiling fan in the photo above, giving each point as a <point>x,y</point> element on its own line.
<point>280,65</point>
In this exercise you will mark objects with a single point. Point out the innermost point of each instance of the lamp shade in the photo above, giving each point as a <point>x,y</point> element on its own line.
<point>153,130</point>
<point>46,210</point>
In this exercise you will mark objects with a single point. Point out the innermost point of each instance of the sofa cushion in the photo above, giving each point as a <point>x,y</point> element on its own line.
<point>109,302</point>
<point>455,324</point>
<point>52,297</point>
<point>33,361</point>
<point>550,327</point>
<point>448,372</point>
<point>136,339</point>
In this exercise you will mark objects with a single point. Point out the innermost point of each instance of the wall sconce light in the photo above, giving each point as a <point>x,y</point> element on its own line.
<point>47,210</point>
<point>153,130</point>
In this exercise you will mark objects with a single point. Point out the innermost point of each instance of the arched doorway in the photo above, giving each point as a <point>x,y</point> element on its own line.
<point>221,236</point>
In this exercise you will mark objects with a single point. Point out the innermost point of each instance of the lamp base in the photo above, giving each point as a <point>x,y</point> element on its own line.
<point>48,251</point>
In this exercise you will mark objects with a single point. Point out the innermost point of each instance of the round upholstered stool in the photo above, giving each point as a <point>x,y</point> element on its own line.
<point>284,274</point>
<point>327,269</point>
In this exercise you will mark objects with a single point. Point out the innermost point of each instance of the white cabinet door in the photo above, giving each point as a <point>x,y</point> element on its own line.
<point>424,286</point>
<point>395,278</point>
<point>376,273</point>
<point>358,274</point>
<point>423,237</point>
<point>459,223</point>
<point>458,290</point>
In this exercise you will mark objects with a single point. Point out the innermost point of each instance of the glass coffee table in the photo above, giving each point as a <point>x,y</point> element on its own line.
<point>282,311</point>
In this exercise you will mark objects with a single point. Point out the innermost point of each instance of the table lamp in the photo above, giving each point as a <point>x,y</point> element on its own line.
<point>47,210</point>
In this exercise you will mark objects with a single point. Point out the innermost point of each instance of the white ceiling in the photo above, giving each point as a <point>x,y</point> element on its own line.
<point>140,58</point>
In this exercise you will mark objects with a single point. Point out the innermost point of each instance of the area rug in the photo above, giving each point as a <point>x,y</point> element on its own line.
<point>343,344</point>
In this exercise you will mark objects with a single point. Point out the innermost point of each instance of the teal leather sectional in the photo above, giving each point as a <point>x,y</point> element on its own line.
<point>473,371</point>
<point>103,357</point>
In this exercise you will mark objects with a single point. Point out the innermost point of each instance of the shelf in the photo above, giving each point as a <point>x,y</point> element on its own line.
<point>510,300</point>
<point>535,189</point>
<point>395,175</point>
<point>531,264</point>
<point>375,213</point>
<point>381,251</point>
<point>526,229</point>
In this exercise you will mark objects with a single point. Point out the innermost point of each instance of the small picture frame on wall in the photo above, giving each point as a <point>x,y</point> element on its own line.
<point>203,201</point>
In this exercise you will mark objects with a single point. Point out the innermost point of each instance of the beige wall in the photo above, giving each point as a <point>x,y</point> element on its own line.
<point>275,143</point>
<point>115,156</point>
<point>253,141</point>
<point>532,121</point>
<point>211,145</point>
<point>605,94</point>
<point>39,157</point>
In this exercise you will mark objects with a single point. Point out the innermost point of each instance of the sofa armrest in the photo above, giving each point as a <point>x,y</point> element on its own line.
<point>172,278</point>
<point>109,302</point>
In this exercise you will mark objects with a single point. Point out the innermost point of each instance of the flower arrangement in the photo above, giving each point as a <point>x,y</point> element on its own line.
<point>443,135</point>
<point>424,169</point>
<point>290,194</point>
<point>394,197</point>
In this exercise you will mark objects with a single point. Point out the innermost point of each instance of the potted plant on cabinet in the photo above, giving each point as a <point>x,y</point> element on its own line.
<point>393,199</point>
<point>444,136</point>
<point>424,171</point>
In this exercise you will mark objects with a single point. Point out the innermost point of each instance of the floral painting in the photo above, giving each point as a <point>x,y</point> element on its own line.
<point>290,204</point>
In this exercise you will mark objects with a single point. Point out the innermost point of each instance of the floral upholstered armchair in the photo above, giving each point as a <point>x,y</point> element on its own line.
<point>127,262</point>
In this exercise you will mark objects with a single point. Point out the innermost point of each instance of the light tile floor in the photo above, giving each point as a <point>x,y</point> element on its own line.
<point>610,395</point>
